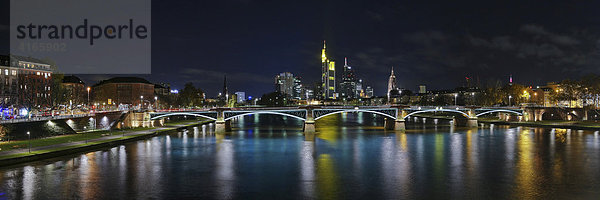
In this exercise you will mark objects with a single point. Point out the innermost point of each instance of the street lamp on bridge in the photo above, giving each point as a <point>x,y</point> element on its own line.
<point>88,91</point>
<point>455,97</point>
<point>156,102</point>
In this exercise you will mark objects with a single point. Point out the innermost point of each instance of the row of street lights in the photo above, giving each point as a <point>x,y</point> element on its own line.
<point>142,101</point>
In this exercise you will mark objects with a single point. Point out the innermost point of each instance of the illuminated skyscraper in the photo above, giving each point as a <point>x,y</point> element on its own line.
<point>327,76</point>
<point>348,84</point>
<point>391,83</point>
<point>288,84</point>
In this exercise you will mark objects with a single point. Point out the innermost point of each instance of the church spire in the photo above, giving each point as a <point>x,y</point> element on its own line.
<point>225,85</point>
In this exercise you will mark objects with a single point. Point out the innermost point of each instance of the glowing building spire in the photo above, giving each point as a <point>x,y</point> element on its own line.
<point>391,83</point>
<point>323,54</point>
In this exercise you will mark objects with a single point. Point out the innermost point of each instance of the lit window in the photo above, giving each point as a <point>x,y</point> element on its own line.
<point>6,71</point>
<point>14,72</point>
<point>38,73</point>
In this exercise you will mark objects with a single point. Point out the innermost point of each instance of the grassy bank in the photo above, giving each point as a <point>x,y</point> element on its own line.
<point>70,144</point>
<point>44,151</point>
<point>24,144</point>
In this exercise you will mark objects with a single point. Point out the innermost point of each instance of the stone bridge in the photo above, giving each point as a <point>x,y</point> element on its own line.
<point>395,114</point>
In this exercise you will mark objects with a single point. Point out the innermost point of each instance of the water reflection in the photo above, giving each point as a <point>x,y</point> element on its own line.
<point>351,157</point>
<point>225,167</point>
<point>307,169</point>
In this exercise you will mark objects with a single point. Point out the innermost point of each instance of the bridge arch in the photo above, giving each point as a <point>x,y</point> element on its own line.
<point>355,110</point>
<point>501,110</point>
<point>265,112</point>
<point>183,114</point>
<point>437,110</point>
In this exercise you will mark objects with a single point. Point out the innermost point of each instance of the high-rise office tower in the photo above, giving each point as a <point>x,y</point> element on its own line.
<point>327,75</point>
<point>348,84</point>
<point>391,83</point>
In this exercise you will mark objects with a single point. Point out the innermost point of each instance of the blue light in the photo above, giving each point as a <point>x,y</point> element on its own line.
<point>23,112</point>
<point>250,97</point>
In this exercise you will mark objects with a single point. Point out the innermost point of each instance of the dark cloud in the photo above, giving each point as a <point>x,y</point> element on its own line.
<point>553,37</point>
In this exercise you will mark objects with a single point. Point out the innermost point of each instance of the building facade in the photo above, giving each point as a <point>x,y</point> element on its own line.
<point>241,97</point>
<point>327,76</point>
<point>289,85</point>
<point>76,92</point>
<point>25,82</point>
<point>34,79</point>
<point>348,83</point>
<point>8,84</point>
<point>369,92</point>
<point>391,84</point>
<point>124,91</point>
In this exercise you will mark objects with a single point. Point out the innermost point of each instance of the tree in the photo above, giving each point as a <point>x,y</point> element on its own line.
<point>568,90</point>
<point>59,94</point>
<point>5,129</point>
<point>513,94</point>
<point>190,96</point>
<point>442,100</point>
<point>591,87</point>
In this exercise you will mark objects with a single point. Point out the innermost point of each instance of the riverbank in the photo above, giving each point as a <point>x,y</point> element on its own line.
<point>21,155</point>
<point>582,125</point>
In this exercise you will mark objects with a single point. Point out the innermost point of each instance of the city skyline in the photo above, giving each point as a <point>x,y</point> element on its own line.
<point>431,44</point>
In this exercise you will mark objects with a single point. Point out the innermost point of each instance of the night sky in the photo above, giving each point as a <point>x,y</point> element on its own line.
<point>436,43</point>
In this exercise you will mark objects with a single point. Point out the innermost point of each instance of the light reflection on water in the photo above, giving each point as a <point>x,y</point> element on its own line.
<point>351,157</point>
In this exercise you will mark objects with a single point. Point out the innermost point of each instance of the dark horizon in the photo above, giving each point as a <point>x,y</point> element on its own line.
<point>437,44</point>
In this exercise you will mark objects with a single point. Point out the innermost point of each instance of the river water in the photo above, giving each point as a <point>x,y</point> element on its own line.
<point>352,157</point>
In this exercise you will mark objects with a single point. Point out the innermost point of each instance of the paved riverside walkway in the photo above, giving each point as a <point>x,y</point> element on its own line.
<point>116,135</point>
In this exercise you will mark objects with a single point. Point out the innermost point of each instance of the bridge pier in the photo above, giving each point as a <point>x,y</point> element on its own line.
<point>399,125</point>
<point>309,127</point>
<point>472,123</point>
<point>222,126</point>
<point>309,123</point>
<point>472,120</point>
<point>401,113</point>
